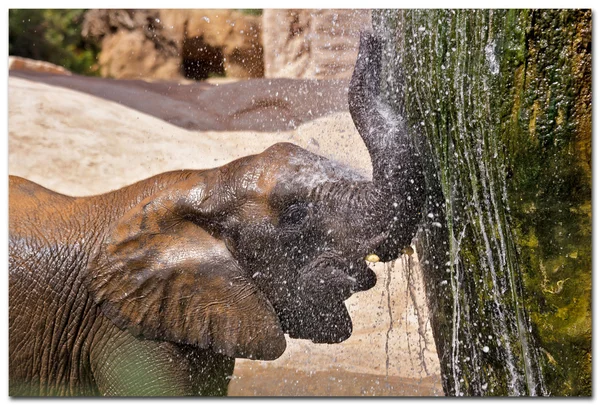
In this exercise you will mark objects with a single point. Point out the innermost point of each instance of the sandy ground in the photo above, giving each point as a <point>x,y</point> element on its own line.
<point>79,144</point>
<point>286,382</point>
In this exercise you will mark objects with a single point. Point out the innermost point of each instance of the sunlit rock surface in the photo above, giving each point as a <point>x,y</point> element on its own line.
<point>310,43</point>
<point>500,103</point>
<point>176,43</point>
<point>259,105</point>
<point>80,144</point>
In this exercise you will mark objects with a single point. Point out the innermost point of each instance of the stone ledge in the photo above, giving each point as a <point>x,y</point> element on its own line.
<point>19,63</point>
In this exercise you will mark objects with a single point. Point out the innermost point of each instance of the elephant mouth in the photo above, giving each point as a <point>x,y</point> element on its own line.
<point>329,323</point>
<point>318,312</point>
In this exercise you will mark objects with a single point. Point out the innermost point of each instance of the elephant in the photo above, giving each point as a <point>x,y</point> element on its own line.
<point>156,288</point>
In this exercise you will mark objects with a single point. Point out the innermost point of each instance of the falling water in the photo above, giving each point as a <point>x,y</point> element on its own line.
<point>446,72</point>
<point>389,267</point>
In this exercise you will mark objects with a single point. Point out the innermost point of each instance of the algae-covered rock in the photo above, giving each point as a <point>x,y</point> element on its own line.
<point>499,102</point>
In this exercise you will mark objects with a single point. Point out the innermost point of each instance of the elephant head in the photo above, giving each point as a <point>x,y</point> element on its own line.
<point>234,257</point>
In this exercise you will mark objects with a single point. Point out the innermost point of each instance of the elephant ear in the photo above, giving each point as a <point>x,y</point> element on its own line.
<point>162,276</point>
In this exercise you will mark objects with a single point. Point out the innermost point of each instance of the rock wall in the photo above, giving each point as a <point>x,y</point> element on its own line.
<point>318,44</point>
<point>133,44</point>
<point>499,102</point>
<point>217,39</point>
<point>172,44</point>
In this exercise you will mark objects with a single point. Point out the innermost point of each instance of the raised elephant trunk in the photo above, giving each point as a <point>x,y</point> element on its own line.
<point>397,170</point>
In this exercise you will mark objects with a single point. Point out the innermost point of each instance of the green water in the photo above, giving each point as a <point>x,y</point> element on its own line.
<point>499,102</point>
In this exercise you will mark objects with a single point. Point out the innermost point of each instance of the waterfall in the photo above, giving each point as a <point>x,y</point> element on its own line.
<point>482,110</point>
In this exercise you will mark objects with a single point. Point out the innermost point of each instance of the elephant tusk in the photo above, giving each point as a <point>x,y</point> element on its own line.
<point>408,250</point>
<point>373,258</point>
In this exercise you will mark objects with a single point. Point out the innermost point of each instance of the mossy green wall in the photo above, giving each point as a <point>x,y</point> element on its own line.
<point>499,102</point>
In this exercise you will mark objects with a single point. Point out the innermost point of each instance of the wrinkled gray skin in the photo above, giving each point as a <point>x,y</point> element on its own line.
<point>155,288</point>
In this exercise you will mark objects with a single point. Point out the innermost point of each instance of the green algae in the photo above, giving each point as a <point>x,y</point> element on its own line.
<point>499,102</point>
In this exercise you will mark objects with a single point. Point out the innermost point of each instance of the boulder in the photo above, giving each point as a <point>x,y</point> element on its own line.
<point>320,44</point>
<point>227,37</point>
<point>174,44</point>
<point>129,54</point>
<point>133,44</point>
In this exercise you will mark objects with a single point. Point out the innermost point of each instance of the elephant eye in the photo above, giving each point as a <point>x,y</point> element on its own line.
<point>294,215</point>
